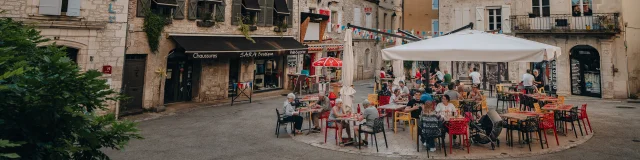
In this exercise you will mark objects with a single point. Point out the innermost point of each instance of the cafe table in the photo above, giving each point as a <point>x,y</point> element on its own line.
<point>310,112</point>
<point>351,120</point>
<point>519,116</point>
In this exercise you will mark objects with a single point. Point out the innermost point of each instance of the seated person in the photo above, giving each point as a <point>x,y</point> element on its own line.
<point>414,106</point>
<point>452,93</point>
<point>460,86</point>
<point>438,88</point>
<point>445,109</point>
<point>369,114</point>
<point>395,97</point>
<point>323,102</point>
<point>475,94</point>
<point>337,112</point>
<point>290,114</point>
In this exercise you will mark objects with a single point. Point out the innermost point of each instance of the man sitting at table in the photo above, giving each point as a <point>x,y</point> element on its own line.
<point>404,90</point>
<point>290,114</point>
<point>414,106</point>
<point>452,93</point>
<point>323,102</point>
<point>369,114</point>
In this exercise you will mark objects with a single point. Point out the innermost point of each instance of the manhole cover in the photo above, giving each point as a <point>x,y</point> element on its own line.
<point>635,140</point>
<point>625,107</point>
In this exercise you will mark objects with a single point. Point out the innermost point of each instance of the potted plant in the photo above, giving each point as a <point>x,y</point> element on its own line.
<point>207,21</point>
<point>281,27</point>
<point>168,20</point>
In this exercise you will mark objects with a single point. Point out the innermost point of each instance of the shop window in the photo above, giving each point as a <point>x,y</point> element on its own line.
<point>281,13</point>
<point>541,8</point>
<point>581,8</point>
<point>210,10</point>
<point>495,20</point>
<point>163,8</point>
<point>249,16</point>
<point>334,17</point>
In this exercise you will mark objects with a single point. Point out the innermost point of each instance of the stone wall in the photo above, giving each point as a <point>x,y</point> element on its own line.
<point>100,41</point>
<point>418,15</point>
<point>631,21</point>
<point>366,62</point>
<point>214,81</point>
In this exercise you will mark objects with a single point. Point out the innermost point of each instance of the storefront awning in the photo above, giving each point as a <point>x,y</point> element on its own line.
<point>281,7</point>
<point>314,17</point>
<point>251,4</point>
<point>166,2</point>
<point>239,46</point>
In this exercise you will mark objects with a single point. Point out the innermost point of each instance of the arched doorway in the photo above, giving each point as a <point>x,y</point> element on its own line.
<point>585,71</point>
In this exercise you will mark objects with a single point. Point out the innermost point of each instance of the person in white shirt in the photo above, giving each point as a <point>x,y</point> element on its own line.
<point>440,76</point>
<point>446,109</point>
<point>475,77</point>
<point>395,96</point>
<point>404,90</point>
<point>527,81</point>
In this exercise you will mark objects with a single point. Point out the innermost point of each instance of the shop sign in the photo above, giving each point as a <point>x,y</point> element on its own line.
<point>204,56</point>
<point>297,52</point>
<point>553,76</point>
<point>256,54</point>
<point>106,69</point>
<point>292,60</point>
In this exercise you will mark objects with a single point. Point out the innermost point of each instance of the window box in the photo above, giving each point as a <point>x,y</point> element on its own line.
<point>168,21</point>
<point>205,23</point>
<point>253,28</point>
<point>279,29</point>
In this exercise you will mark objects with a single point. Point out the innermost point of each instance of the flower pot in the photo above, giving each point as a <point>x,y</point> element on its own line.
<point>278,29</point>
<point>253,28</point>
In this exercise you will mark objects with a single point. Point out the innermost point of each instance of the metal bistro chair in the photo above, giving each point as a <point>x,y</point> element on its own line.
<point>378,126</point>
<point>280,121</point>
<point>430,126</point>
<point>572,117</point>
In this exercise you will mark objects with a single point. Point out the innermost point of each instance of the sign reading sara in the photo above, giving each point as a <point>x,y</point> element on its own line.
<point>256,54</point>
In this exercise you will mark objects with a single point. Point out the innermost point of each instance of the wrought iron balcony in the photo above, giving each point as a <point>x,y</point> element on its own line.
<point>598,23</point>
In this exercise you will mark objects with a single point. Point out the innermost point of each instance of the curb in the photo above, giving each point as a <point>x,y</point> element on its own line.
<point>517,155</point>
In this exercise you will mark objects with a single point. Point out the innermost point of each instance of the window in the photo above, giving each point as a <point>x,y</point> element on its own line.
<point>434,4</point>
<point>393,20</point>
<point>384,22</point>
<point>281,13</point>
<point>249,16</point>
<point>162,10</point>
<point>581,8</point>
<point>210,10</point>
<point>541,8</point>
<point>495,20</point>
<point>59,7</point>
<point>334,17</point>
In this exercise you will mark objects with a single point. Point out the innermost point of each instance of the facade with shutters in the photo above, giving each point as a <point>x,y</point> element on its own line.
<point>203,55</point>
<point>93,31</point>
<point>421,16</point>
<point>596,59</point>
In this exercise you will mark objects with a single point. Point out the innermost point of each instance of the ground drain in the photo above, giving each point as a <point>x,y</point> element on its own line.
<point>626,107</point>
<point>635,140</point>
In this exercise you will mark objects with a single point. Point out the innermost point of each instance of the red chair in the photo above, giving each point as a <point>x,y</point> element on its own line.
<point>384,100</point>
<point>548,122</point>
<point>458,127</point>
<point>326,127</point>
<point>583,115</point>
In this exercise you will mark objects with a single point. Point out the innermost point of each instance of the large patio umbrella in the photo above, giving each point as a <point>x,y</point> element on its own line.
<point>472,45</point>
<point>348,68</point>
<point>327,62</point>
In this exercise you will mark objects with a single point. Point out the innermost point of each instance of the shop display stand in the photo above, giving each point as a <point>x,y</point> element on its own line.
<point>240,89</point>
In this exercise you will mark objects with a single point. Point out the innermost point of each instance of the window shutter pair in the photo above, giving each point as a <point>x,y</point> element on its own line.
<point>220,8</point>
<point>265,17</point>
<point>193,9</point>
<point>54,7</point>
<point>179,13</point>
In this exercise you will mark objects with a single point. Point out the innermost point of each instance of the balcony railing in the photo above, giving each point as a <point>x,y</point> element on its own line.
<point>566,23</point>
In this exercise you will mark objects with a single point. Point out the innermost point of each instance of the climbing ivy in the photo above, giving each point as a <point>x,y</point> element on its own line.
<point>244,28</point>
<point>153,26</point>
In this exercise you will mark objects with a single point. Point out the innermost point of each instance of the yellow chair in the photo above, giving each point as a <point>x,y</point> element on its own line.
<point>484,104</point>
<point>455,103</point>
<point>373,99</point>
<point>541,90</point>
<point>561,100</point>
<point>499,88</point>
<point>464,95</point>
<point>537,108</point>
<point>402,116</point>
<point>513,110</point>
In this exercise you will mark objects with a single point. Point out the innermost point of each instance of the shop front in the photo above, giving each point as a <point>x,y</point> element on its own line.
<point>585,71</point>
<point>229,63</point>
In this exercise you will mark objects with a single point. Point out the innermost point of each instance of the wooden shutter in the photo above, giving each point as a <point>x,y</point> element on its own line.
<point>142,5</point>
<point>465,16</point>
<point>236,8</point>
<point>50,7</point>
<point>193,9</point>
<point>179,13</point>
<point>268,13</point>
<point>506,21</point>
<point>261,14</point>
<point>479,25</point>
<point>356,16</point>
<point>290,17</point>
<point>220,9</point>
<point>73,8</point>
<point>457,19</point>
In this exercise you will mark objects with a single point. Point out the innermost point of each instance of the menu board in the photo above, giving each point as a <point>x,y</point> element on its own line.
<point>575,77</point>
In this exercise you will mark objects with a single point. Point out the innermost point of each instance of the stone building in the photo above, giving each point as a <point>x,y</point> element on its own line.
<point>595,52</point>
<point>93,31</point>
<point>421,16</point>
<point>203,53</point>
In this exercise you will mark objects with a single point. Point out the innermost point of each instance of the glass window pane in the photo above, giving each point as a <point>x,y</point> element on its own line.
<point>498,19</point>
<point>498,26</point>
<point>491,18</point>
<point>536,11</point>
<point>546,11</point>
<point>536,2</point>
<point>491,27</point>
<point>498,11</point>
<point>545,2</point>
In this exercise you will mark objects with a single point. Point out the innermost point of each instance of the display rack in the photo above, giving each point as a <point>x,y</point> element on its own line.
<point>240,89</point>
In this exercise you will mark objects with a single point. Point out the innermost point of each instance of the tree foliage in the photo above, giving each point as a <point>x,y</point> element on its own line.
<point>47,106</point>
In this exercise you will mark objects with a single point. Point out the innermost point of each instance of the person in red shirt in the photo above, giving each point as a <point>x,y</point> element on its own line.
<point>418,78</point>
